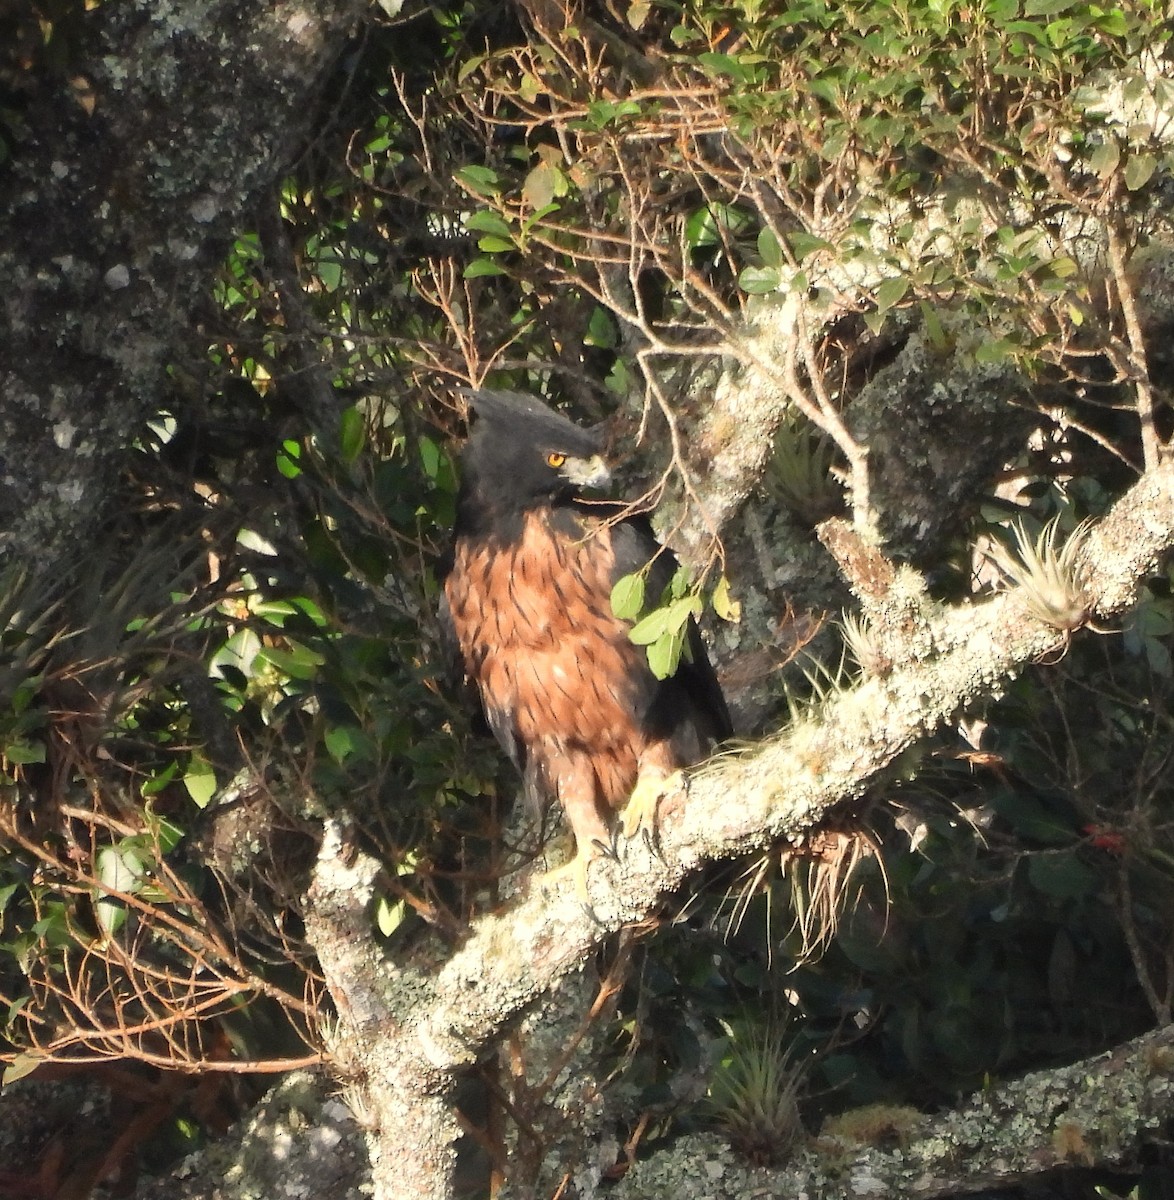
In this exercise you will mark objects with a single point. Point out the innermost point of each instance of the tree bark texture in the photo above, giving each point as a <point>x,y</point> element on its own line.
<point>128,177</point>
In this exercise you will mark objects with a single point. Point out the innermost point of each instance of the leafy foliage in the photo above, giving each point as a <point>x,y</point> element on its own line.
<point>599,211</point>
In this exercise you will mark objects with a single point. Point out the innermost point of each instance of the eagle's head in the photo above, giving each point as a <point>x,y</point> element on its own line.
<point>522,455</point>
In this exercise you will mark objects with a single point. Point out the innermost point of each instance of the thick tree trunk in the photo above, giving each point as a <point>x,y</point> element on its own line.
<point>130,170</point>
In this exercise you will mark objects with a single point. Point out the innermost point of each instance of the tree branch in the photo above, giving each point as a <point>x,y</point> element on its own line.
<point>1091,1113</point>
<point>738,804</point>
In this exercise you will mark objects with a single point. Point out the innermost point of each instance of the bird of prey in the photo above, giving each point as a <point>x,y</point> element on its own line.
<point>527,597</point>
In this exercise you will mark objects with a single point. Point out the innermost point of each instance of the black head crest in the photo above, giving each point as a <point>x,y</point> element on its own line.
<point>515,414</point>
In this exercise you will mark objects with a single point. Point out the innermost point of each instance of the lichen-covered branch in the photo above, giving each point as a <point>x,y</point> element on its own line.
<point>393,1083</point>
<point>1092,1113</point>
<point>743,802</point>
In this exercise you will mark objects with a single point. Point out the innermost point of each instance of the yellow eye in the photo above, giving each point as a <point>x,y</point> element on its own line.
<point>555,460</point>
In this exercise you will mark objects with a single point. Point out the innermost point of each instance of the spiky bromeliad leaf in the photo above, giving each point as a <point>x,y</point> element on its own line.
<point>1048,573</point>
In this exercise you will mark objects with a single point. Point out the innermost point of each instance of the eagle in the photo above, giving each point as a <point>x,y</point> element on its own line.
<point>526,598</point>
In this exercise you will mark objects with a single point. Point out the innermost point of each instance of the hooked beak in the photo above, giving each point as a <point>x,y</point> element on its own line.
<point>586,472</point>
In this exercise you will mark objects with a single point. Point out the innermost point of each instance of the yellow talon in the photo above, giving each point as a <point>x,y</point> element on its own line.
<point>640,811</point>
<point>577,868</point>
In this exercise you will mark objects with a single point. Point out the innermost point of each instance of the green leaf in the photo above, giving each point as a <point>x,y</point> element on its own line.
<point>20,1066</point>
<point>481,181</point>
<point>601,330</point>
<point>680,582</point>
<point>165,834</point>
<point>484,221</point>
<point>389,915</point>
<point>602,113</point>
<point>875,321</point>
<point>724,605</point>
<point>287,458</point>
<point>758,281</point>
<point>159,780</point>
<point>482,266</point>
<point>995,350</point>
<point>627,597</point>
<point>727,64</point>
<point>1113,23</point>
<point>704,226</point>
<point>200,781</point>
<point>298,661</point>
<point>1104,159</point>
<point>469,66</point>
<point>769,249</point>
<point>342,741</point>
<point>1047,8</point>
<point>330,273</point>
<point>430,456</point>
<point>1032,819</point>
<point>1139,169</point>
<point>891,291</point>
<point>495,245</point>
<point>117,871</point>
<point>1062,876</point>
<point>352,433</point>
<point>20,753</point>
<point>934,329</point>
<point>544,183</point>
<point>670,619</point>
<point>802,244</point>
<point>664,655</point>
<point>651,628</point>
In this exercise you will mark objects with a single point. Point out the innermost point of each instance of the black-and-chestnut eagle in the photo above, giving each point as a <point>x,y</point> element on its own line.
<point>527,597</point>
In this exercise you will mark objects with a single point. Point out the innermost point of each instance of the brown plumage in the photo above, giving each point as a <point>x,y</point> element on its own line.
<point>527,595</point>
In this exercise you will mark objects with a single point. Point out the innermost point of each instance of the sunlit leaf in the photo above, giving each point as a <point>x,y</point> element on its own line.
<point>769,249</point>
<point>482,266</point>
<point>650,628</point>
<point>1139,170</point>
<point>389,915</point>
<point>160,780</point>
<point>1105,158</point>
<point>21,1066</point>
<point>495,245</point>
<point>297,661</point>
<point>802,244</point>
<point>664,655</point>
<point>724,604</point>
<point>200,781</point>
<point>543,184</point>
<point>627,597</point>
